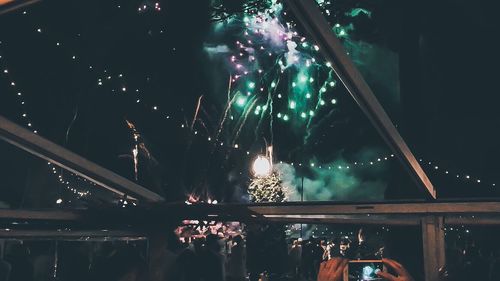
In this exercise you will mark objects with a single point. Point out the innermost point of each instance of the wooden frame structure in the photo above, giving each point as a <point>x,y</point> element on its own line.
<point>430,216</point>
<point>58,155</point>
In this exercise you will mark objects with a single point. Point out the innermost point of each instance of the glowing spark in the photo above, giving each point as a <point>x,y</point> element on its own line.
<point>198,104</point>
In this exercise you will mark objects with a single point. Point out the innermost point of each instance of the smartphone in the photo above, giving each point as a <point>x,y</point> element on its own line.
<point>361,270</point>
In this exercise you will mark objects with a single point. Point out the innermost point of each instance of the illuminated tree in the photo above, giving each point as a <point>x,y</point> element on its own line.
<point>267,189</point>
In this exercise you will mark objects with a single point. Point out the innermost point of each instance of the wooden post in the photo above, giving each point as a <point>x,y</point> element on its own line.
<point>433,246</point>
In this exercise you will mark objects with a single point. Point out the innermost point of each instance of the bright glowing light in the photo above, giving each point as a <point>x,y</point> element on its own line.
<point>261,166</point>
<point>59,201</point>
<point>293,104</point>
<point>241,101</point>
<point>303,115</point>
<point>308,96</point>
<point>251,85</point>
<point>285,117</point>
<point>332,84</point>
<point>334,101</point>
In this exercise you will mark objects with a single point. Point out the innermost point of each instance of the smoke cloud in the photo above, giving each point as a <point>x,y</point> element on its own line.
<point>216,50</point>
<point>337,184</point>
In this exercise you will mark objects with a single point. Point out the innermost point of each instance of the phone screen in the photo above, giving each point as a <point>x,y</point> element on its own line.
<point>364,270</point>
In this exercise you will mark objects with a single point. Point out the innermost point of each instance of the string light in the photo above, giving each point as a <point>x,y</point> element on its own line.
<point>27,121</point>
<point>464,176</point>
<point>252,85</point>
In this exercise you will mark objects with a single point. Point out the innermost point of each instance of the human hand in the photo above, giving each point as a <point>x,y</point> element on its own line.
<point>332,270</point>
<point>402,273</point>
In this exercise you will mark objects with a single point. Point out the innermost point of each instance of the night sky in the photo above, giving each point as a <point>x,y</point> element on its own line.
<point>432,66</point>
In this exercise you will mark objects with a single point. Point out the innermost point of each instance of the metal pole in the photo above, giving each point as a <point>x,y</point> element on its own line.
<point>302,190</point>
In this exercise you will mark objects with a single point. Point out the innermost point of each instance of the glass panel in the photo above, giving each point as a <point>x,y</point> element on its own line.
<point>28,182</point>
<point>426,77</point>
<point>39,260</point>
<point>472,252</point>
<point>293,251</point>
<point>187,111</point>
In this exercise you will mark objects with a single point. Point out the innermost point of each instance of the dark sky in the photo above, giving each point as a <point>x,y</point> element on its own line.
<point>445,105</point>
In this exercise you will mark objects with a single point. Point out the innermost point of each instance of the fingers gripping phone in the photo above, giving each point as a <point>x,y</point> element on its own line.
<point>361,270</point>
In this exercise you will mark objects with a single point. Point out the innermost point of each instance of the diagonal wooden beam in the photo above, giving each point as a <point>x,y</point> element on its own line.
<point>45,149</point>
<point>7,6</point>
<point>309,16</point>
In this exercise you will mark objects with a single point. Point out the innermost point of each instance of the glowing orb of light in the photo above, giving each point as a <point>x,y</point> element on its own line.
<point>241,101</point>
<point>261,166</point>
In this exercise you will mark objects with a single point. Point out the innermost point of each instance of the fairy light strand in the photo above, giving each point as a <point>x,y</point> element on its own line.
<point>237,60</point>
<point>26,119</point>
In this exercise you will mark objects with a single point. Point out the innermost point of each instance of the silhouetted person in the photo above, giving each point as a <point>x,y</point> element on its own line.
<point>237,260</point>
<point>5,270</point>
<point>295,257</point>
<point>118,262</point>
<point>213,261</point>
<point>18,257</point>
<point>43,263</point>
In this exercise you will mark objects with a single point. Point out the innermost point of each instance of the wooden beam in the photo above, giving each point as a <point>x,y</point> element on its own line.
<point>344,219</point>
<point>49,151</point>
<point>397,213</point>
<point>473,219</point>
<point>433,246</point>
<point>66,234</point>
<point>7,6</point>
<point>310,17</point>
<point>382,208</point>
<point>46,215</point>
